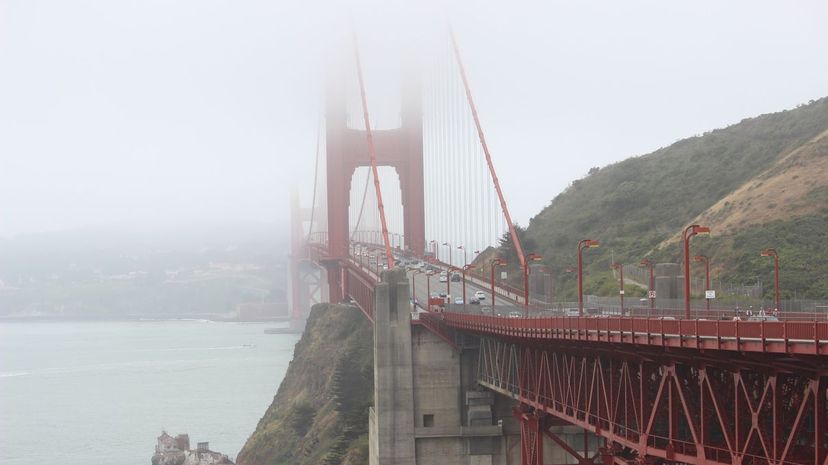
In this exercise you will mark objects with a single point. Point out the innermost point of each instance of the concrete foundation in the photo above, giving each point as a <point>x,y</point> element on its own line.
<point>428,408</point>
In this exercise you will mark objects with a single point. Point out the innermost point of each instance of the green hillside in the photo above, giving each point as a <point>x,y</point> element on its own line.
<point>767,174</point>
<point>319,415</point>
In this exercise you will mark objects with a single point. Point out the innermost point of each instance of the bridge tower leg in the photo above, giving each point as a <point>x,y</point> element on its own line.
<point>304,277</point>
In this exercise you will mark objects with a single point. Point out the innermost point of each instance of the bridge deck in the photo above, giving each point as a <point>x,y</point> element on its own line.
<point>788,337</point>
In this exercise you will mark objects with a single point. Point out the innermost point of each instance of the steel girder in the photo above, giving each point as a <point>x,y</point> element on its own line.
<point>664,407</point>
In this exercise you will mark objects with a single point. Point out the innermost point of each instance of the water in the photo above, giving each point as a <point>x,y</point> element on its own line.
<point>100,392</point>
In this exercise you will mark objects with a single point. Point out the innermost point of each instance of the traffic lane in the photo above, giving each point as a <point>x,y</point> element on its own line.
<point>421,288</point>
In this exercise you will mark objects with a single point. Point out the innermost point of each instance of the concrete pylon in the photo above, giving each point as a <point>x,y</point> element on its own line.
<point>391,428</point>
<point>667,283</point>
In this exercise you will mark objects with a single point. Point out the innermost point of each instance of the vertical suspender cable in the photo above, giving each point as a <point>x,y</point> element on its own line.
<point>508,217</point>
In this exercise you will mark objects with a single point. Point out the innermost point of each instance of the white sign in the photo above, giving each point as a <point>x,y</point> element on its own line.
<point>621,291</point>
<point>502,275</point>
<point>651,294</point>
<point>710,294</point>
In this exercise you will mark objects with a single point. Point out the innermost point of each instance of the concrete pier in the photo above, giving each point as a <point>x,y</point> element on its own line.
<point>428,407</point>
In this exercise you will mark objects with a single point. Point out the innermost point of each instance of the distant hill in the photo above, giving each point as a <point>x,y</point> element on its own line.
<point>158,271</point>
<point>760,183</point>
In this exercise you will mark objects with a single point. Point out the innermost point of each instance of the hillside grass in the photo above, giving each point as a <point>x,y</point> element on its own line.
<point>636,204</point>
<point>320,412</point>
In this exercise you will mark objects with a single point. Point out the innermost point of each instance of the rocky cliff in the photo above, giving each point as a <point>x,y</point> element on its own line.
<point>320,412</point>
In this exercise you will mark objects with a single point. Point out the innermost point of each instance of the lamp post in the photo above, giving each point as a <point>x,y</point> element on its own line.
<point>492,263</point>
<point>465,258</point>
<point>620,268</point>
<point>771,252</point>
<point>583,244</point>
<point>414,286</point>
<point>706,261</point>
<point>465,268</point>
<point>689,232</point>
<point>651,291</point>
<point>448,280</point>
<point>433,244</point>
<point>532,257</point>
<point>428,289</point>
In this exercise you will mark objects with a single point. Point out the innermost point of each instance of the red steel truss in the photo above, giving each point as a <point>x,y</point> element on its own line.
<point>666,405</point>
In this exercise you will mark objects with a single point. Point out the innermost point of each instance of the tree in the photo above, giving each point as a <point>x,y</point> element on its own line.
<point>508,251</point>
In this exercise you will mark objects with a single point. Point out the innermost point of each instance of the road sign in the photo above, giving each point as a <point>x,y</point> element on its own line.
<point>502,275</point>
<point>710,294</point>
<point>651,294</point>
<point>621,291</point>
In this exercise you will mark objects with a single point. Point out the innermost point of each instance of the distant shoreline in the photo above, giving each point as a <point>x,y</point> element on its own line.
<point>137,318</point>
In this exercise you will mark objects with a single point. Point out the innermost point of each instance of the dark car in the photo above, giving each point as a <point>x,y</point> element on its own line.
<point>455,278</point>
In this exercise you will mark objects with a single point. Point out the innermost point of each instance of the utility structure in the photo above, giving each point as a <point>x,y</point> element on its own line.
<point>689,232</point>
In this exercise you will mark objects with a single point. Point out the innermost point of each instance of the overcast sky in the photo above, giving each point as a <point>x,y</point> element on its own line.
<point>161,111</point>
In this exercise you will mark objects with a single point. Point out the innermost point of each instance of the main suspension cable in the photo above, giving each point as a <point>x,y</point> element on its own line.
<point>389,256</point>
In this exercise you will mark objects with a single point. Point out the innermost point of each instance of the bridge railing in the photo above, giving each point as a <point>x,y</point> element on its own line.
<point>570,309</point>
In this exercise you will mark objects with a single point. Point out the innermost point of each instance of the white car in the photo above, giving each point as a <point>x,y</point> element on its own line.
<point>514,314</point>
<point>443,279</point>
<point>480,295</point>
<point>458,301</point>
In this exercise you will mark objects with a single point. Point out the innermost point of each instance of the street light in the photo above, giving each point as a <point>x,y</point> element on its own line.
<point>492,263</point>
<point>449,252</point>
<point>428,274</point>
<point>703,258</point>
<point>620,268</point>
<point>448,281</point>
<point>433,247</point>
<point>465,258</point>
<point>651,291</point>
<point>583,244</point>
<point>465,268</point>
<point>532,257</point>
<point>771,252</point>
<point>689,232</point>
<point>414,286</point>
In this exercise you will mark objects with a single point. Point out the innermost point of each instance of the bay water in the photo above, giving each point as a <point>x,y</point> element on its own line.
<point>99,393</point>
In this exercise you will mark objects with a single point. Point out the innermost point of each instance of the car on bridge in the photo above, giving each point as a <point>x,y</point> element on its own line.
<point>486,310</point>
<point>514,314</point>
<point>480,295</point>
<point>443,279</point>
<point>455,278</point>
<point>458,301</point>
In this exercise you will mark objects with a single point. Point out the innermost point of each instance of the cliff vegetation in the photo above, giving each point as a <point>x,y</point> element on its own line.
<point>319,415</point>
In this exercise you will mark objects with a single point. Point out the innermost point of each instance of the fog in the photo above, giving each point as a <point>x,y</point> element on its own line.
<point>158,112</point>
